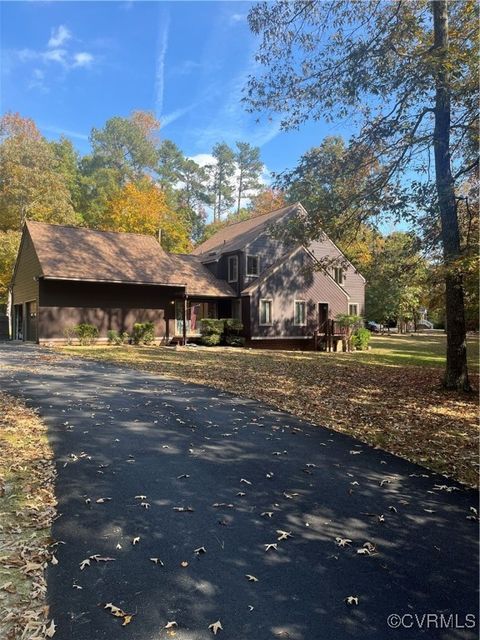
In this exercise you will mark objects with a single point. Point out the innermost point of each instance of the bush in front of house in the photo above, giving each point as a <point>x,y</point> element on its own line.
<point>211,340</point>
<point>211,331</point>
<point>70,333</point>
<point>361,339</point>
<point>143,333</point>
<point>224,331</point>
<point>116,338</point>
<point>87,334</point>
<point>232,332</point>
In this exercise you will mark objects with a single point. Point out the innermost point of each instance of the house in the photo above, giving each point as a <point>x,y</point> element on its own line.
<point>281,292</point>
<point>65,276</point>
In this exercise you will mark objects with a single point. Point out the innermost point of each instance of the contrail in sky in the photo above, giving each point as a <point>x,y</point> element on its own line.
<point>160,68</point>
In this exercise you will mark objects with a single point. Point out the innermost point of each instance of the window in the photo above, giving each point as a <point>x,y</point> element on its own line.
<point>338,275</point>
<point>253,266</point>
<point>232,268</point>
<point>265,312</point>
<point>300,317</point>
<point>353,309</point>
<point>236,309</point>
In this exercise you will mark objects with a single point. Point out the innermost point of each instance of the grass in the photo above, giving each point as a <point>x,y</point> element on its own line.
<point>390,397</point>
<point>27,508</point>
<point>421,350</point>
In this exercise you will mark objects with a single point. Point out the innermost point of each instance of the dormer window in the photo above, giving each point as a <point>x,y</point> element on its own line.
<point>233,268</point>
<point>253,266</point>
<point>339,275</point>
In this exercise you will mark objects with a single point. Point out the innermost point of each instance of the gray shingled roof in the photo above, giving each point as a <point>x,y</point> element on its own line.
<point>85,254</point>
<point>236,236</point>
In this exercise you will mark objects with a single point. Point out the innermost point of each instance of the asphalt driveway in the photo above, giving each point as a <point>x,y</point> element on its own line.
<point>227,476</point>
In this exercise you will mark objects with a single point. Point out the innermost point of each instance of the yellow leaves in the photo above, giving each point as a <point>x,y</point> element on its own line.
<point>117,612</point>
<point>144,209</point>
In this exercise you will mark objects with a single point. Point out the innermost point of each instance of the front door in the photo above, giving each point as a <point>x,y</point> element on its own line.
<point>322,316</point>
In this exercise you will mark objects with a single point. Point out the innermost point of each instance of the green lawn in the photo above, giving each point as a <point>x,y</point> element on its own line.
<point>390,396</point>
<point>415,350</point>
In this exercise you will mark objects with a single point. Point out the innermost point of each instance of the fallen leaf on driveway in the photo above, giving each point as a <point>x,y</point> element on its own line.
<point>215,627</point>
<point>266,514</point>
<point>272,545</point>
<point>283,535</point>
<point>200,550</point>
<point>157,561</point>
<point>351,600</point>
<point>136,540</point>
<point>251,578</point>
<point>183,509</point>
<point>342,542</point>
<point>170,625</point>
<point>50,630</point>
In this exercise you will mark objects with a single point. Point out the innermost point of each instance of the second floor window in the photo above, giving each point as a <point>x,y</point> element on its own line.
<point>233,268</point>
<point>339,275</point>
<point>253,266</point>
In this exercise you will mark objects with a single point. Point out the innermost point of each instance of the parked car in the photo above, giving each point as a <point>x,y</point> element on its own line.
<point>374,327</point>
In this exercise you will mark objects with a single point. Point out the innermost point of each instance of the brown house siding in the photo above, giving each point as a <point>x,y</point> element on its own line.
<point>105,305</point>
<point>295,280</point>
<point>27,270</point>
<point>354,283</point>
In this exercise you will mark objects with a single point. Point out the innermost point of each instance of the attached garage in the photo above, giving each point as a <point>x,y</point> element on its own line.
<point>65,276</point>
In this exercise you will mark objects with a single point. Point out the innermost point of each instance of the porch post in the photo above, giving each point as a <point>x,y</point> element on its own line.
<point>185,320</point>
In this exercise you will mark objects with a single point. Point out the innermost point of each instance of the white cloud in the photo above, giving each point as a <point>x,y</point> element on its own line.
<point>55,55</point>
<point>82,59</point>
<point>237,17</point>
<point>59,35</point>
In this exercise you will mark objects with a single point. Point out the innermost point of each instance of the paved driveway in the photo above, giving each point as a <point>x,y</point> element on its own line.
<point>119,434</point>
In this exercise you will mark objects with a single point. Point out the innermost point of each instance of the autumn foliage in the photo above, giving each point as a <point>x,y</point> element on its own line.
<point>144,209</point>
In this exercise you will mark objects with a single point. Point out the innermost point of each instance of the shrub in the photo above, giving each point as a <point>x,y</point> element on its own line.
<point>211,339</point>
<point>361,338</point>
<point>117,338</point>
<point>69,334</point>
<point>86,333</point>
<point>143,332</point>
<point>211,326</point>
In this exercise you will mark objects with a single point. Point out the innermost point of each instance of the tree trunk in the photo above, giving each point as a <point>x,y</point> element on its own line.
<point>240,189</point>
<point>456,374</point>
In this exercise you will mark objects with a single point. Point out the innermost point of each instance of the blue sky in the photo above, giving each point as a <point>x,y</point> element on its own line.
<point>73,65</point>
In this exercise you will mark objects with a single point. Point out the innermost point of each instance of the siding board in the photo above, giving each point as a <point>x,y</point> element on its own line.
<point>295,280</point>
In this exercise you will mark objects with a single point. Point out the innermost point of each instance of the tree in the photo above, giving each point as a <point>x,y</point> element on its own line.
<point>127,145</point>
<point>31,186</point>
<point>144,209</point>
<point>396,279</point>
<point>9,243</point>
<point>67,161</point>
<point>222,172</point>
<point>266,201</point>
<point>187,183</point>
<point>249,168</point>
<point>410,81</point>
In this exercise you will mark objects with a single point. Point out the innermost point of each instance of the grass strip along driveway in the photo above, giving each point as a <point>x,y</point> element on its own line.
<point>389,397</point>
<point>27,509</point>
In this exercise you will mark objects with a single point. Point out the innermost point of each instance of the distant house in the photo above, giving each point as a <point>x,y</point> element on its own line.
<point>281,292</point>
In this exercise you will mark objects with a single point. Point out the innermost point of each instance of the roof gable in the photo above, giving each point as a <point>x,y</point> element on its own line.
<point>239,234</point>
